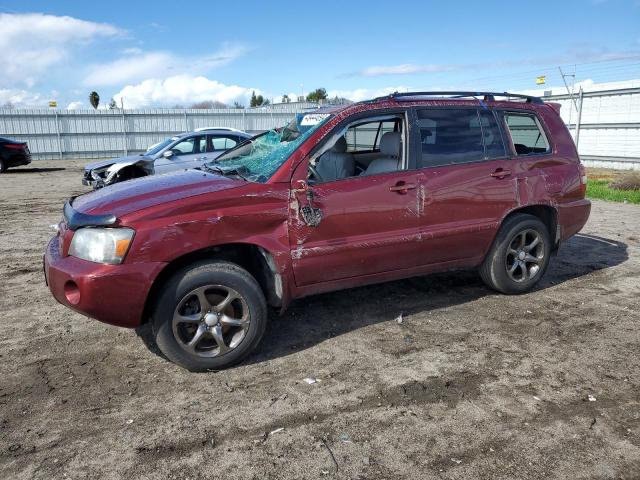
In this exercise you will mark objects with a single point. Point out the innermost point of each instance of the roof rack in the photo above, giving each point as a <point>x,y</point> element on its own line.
<point>487,96</point>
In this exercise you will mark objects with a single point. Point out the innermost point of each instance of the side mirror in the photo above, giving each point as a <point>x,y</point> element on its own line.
<point>167,154</point>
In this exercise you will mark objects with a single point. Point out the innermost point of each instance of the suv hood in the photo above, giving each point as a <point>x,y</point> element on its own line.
<point>128,160</point>
<point>128,197</point>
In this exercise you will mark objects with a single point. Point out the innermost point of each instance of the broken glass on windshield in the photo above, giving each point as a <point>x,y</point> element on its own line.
<point>259,158</point>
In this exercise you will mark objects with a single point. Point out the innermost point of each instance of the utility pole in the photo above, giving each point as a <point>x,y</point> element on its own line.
<point>573,100</point>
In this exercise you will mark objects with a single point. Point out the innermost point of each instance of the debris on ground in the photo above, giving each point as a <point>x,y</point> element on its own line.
<point>310,380</point>
<point>456,461</point>
<point>591,398</point>
<point>277,430</point>
<point>399,318</point>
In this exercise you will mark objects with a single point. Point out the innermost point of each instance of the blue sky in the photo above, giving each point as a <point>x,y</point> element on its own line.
<point>167,53</point>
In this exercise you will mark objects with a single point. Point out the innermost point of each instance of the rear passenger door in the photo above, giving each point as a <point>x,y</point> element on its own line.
<point>466,183</point>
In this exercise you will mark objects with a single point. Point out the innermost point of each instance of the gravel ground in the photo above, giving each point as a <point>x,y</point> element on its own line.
<point>469,384</point>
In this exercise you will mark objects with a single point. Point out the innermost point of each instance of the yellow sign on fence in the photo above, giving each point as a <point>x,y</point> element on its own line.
<point>541,80</point>
<point>53,104</point>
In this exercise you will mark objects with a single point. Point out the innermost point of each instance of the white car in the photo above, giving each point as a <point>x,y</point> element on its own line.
<point>187,150</point>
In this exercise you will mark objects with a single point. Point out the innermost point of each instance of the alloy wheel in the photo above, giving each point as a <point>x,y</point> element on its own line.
<point>211,321</point>
<point>525,255</point>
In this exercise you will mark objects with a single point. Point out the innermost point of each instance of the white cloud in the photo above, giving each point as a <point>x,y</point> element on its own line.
<point>77,105</point>
<point>30,43</point>
<point>137,65</point>
<point>131,68</point>
<point>19,98</point>
<point>404,69</point>
<point>181,89</point>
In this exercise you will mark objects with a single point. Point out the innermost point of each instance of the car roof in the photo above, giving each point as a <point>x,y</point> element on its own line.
<point>208,131</point>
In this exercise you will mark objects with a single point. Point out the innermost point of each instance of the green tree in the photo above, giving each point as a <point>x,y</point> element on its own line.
<point>237,105</point>
<point>317,95</point>
<point>285,98</point>
<point>94,99</point>
<point>257,100</point>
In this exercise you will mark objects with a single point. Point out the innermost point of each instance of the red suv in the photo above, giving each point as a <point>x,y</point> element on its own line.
<point>398,186</point>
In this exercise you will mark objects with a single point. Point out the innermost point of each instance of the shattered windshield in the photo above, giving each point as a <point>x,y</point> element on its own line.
<point>159,146</point>
<point>258,159</point>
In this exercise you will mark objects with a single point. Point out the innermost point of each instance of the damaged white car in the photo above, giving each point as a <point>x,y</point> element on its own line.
<point>187,150</point>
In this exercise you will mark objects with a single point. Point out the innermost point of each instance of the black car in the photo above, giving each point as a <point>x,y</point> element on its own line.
<point>13,154</point>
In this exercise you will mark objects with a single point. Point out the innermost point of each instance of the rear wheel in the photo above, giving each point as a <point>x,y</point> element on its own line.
<point>519,256</point>
<point>3,166</point>
<point>209,316</point>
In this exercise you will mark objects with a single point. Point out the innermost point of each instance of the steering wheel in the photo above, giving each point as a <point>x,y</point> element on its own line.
<point>315,173</point>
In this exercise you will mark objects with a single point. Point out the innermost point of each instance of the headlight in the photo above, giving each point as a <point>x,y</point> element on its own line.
<point>101,245</point>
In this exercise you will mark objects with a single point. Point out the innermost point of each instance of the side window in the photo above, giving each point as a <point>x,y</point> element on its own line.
<point>493,145</point>
<point>223,143</point>
<point>362,148</point>
<point>185,147</point>
<point>362,138</point>
<point>201,145</point>
<point>366,137</point>
<point>450,136</point>
<point>526,133</point>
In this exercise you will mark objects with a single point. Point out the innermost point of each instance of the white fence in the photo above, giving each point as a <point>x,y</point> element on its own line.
<point>57,134</point>
<point>605,125</point>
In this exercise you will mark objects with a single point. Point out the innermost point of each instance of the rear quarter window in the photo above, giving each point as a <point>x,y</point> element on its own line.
<point>526,133</point>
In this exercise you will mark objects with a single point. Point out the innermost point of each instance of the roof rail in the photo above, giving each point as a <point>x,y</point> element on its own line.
<point>487,96</point>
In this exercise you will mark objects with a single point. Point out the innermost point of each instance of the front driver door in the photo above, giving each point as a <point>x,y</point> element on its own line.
<point>369,225</point>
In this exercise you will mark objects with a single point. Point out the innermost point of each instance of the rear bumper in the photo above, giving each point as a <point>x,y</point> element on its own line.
<point>572,217</point>
<point>19,159</point>
<point>114,294</point>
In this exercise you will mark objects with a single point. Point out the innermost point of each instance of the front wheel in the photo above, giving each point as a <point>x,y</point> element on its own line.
<point>209,316</point>
<point>3,166</point>
<point>519,255</point>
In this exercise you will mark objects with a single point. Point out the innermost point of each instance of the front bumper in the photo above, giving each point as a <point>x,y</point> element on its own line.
<point>114,294</point>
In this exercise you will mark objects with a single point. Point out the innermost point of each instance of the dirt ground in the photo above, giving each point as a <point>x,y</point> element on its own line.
<point>471,384</point>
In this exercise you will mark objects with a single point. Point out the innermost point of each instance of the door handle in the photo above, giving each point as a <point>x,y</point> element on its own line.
<point>500,173</point>
<point>401,187</point>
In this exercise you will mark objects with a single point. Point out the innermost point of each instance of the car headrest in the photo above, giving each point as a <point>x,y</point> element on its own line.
<point>390,144</point>
<point>340,146</point>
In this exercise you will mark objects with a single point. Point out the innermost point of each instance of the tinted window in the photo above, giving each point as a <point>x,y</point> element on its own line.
<point>450,136</point>
<point>526,134</point>
<point>493,145</point>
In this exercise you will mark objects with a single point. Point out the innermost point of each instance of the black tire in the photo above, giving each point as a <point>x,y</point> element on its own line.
<point>496,269</point>
<point>214,279</point>
<point>3,166</point>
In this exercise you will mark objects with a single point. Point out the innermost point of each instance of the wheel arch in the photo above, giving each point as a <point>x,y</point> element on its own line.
<point>546,213</point>
<point>257,260</point>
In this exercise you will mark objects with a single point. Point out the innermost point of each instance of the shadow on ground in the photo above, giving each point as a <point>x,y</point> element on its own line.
<point>312,320</point>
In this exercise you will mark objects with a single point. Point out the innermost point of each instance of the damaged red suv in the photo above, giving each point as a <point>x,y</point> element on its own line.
<point>395,187</point>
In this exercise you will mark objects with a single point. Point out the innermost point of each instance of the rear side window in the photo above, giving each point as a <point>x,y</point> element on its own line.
<point>450,136</point>
<point>223,142</point>
<point>493,144</point>
<point>526,133</point>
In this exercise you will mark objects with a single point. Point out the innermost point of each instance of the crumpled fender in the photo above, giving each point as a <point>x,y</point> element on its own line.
<point>145,163</point>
